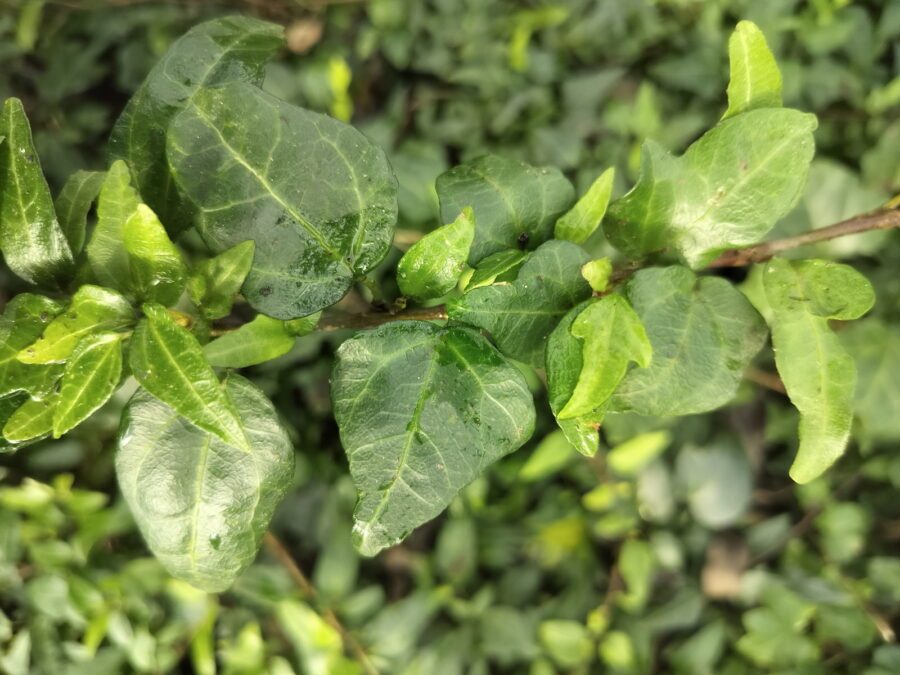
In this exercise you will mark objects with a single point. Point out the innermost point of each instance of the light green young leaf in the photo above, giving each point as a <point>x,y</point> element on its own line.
<point>261,340</point>
<point>497,267</point>
<point>169,362</point>
<point>203,505</point>
<point>613,336</point>
<point>515,204</point>
<point>582,219</point>
<point>319,647</point>
<point>432,266</point>
<point>521,315</point>
<point>73,203</point>
<point>755,79</point>
<point>157,270</point>
<point>728,190</point>
<point>210,54</point>
<point>106,251</point>
<point>24,320</point>
<point>249,161</point>
<point>422,411</point>
<point>31,239</point>
<point>216,281</point>
<point>91,377</point>
<point>598,273</point>
<point>818,373</point>
<point>32,421</point>
<point>704,334</point>
<point>93,310</point>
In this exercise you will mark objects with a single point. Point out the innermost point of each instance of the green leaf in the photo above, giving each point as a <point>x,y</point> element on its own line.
<point>875,349</point>
<point>432,266</point>
<point>582,219</point>
<point>317,197</point>
<point>728,190</point>
<point>818,373</point>
<point>210,54</point>
<point>24,320</point>
<point>263,339</point>
<point>31,239</point>
<point>704,334</point>
<point>106,251</point>
<point>216,281</point>
<point>422,411</point>
<point>93,310</point>
<point>598,274</point>
<point>169,362</point>
<point>521,315</point>
<point>157,270</point>
<point>755,78</point>
<point>32,421</point>
<point>497,267</point>
<point>73,203</point>
<point>91,377</point>
<point>8,406</point>
<point>612,336</point>
<point>203,505</point>
<point>515,204</point>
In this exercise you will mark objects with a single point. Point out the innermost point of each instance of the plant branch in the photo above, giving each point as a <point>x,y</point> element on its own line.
<point>283,556</point>
<point>885,218</point>
<point>332,321</point>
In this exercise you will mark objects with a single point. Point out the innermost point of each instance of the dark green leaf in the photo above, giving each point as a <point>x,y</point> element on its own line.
<point>91,376</point>
<point>31,239</point>
<point>203,505</point>
<point>73,203</point>
<point>818,373</point>
<point>582,219</point>
<point>93,310</point>
<point>728,190</point>
<point>515,204</point>
<point>432,266</point>
<point>755,78</point>
<point>213,53</point>
<point>157,270</point>
<point>422,411</point>
<point>263,339</point>
<point>249,161</point>
<point>169,362</point>
<point>704,334</point>
<point>24,320</point>
<point>520,315</point>
<point>216,281</point>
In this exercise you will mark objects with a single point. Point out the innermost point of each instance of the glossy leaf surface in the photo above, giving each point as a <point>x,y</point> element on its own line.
<point>24,320</point>
<point>169,362</point>
<point>515,204</point>
<point>422,411</point>
<point>216,281</point>
<point>31,421</point>
<point>203,505</point>
<point>316,196</point>
<point>520,315</point>
<point>158,273</point>
<point>432,266</point>
<point>258,341</point>
<point>582,219</point>
<point>33,244</point>
<point>213,53</point>
<point>91,377</point>
<point>73,204</point>
<point>106,250</point>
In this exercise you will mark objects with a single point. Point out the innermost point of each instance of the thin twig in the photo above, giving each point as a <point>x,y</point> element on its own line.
<point>283,556</point>
<point>765,379</point>
<point>334,321</point>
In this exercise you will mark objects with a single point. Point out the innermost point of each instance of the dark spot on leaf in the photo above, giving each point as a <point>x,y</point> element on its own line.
<point>523,240</point>
<point>265,291</point>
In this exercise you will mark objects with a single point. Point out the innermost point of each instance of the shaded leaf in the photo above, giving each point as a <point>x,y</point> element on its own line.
<point>203,505</point>
<point>520,315</point>
<point>91,377</point>
<point>31,421</point>
<point>263,339</point>
<point>73,204</point>
<point>582,219</point>
<point>106,249</point>
<point>728,190</point>
<point>248,161</point>
<point>432,266</point>
<point>93,310</point>
<point>818,373</point>
<point>755,79</point>
<point>210,54</point>
<point>24,320</point>
<point>514,203</point>
<point>156,268</point>
<point>875,349</point>
<point>216,281</point>
<point>497,267</point>
<point>704,334</point>
<point>33,244</point>
<point>169,362</point>
<point>422,411</point>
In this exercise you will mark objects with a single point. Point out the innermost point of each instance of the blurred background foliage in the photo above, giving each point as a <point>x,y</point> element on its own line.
<point>684,549</point>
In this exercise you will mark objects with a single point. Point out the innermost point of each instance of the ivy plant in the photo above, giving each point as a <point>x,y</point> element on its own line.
<point>507,296</point>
